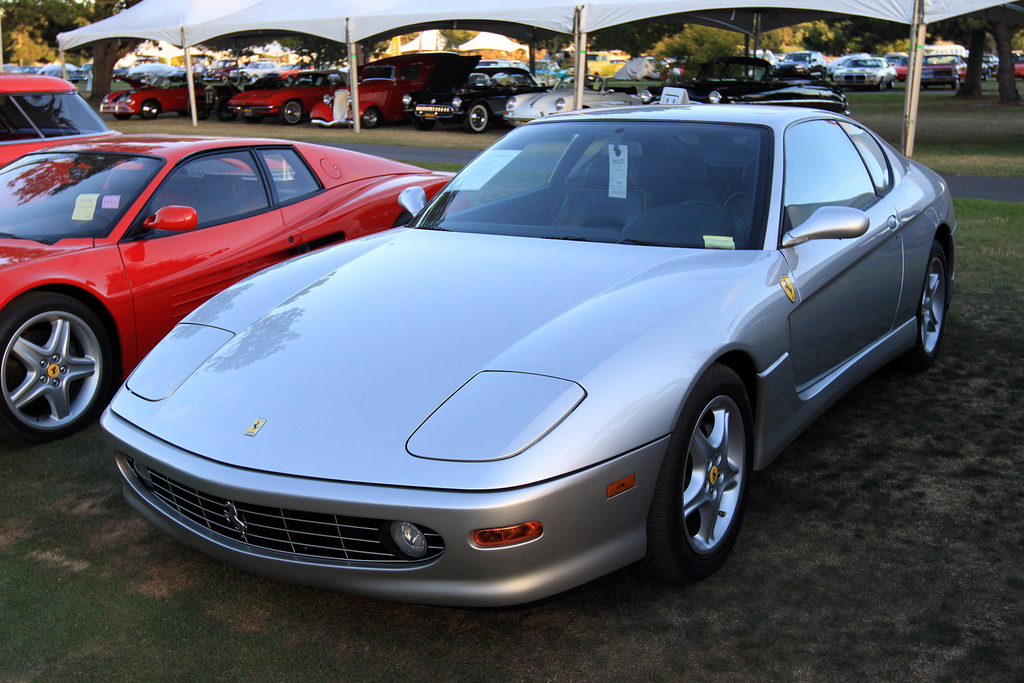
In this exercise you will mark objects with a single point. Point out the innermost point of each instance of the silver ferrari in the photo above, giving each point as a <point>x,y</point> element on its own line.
<point>573,359</point>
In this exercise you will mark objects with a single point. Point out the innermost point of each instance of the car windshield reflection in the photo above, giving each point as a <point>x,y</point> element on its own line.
<point>52,196</point>
<point>691,185</point>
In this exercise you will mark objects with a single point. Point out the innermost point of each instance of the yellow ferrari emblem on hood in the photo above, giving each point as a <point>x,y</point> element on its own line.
<point>787,287</point>
<point>255,426</point>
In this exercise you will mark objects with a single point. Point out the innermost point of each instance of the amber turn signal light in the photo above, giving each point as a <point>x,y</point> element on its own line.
<point>501,537</point>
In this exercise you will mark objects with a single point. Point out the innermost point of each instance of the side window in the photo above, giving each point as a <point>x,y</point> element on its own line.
<point>220,187</point>
<point>409,73</point>
<point>874,157</point>
<point>822,169</point>
<point>290,177</point>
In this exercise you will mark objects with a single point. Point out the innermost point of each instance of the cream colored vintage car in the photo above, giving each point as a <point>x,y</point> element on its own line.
<point>596,95</point>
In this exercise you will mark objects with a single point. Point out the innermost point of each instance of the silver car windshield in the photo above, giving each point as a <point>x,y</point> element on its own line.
<point>697,185</point>
<point>52,196</point>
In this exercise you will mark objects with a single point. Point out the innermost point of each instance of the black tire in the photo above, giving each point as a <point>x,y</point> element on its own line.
<point>422,124</point>
<point>290,112</point>
<point>55,369</point>
<point>955,85</point>
<point>371,118</point>
<point>149,109</point>
<point>478,118</point>
<point>931,313</point>
<point>122,117</point>
<point>223,112</point>
<point>252,118</point>
<point>710,478</point>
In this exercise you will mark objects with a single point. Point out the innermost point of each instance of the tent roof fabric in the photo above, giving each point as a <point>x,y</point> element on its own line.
<point>491,41</point>
<point>202,20</point>
<point>152,20</point>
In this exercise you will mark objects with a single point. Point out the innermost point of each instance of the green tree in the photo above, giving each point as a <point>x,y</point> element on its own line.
<point>636,38</point>
<point>697,44</point>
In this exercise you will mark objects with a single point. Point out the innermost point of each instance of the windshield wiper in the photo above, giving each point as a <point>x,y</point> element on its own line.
<point>41,240</point>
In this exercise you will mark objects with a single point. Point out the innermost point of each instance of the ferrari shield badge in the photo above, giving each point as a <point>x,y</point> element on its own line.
<point>787,287</point>
<point>256,425</point>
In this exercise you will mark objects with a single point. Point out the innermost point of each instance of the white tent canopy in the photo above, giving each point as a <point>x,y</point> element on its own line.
<point>491,41</point>
<point>153,20</point>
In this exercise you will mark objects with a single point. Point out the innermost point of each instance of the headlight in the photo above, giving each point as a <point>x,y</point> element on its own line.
<point>409,539</point>
<point>174,360</point>
<point>715,97</point>
<point>560,104</point>
<point>495,415</point>
<point>406,100</point>
<point>329,99</point>
<point>457,102</point>
<point>510,104</point>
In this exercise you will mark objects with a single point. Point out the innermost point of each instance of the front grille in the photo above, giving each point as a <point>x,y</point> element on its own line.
<point>357,540</point>
<point>434,109</point>
<point>854,79</point>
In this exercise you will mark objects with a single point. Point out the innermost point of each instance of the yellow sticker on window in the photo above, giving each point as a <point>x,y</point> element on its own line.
<point>85,207</point>
<point>718,242</point>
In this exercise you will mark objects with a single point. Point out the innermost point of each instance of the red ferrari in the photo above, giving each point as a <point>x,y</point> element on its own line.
<point>105,246</point>
<point>289,102</point>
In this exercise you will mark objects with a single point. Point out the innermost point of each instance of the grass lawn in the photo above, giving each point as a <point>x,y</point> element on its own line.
<point>885,543</point>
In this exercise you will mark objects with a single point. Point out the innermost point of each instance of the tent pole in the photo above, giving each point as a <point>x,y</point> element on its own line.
<point>918,36</point>
<point>63,69</point>
<point>580,75</point>
<point>190,78</point>
<point>353,78</point>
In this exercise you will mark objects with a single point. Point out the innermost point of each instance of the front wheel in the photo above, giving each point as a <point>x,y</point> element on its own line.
<point>371,118</point>
<point>422,124</point>
<point>931,313</point>
<point>477,118</point>
<point>291,112</point>
<point>701,490</point>
<point>56,367</point>
<point>150,109</point>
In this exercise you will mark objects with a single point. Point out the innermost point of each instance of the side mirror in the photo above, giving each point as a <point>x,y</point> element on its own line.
<point>413,199</point>
<point>828,222</point>
<point>173,218</point>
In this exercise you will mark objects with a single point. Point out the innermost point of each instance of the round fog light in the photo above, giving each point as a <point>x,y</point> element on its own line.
<point>409,539</point>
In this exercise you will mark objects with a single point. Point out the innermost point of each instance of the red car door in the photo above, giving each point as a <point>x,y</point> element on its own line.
<point>238,233</point>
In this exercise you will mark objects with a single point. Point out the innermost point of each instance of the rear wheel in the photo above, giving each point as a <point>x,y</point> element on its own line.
<point>150,109</point>
<point>931,313</point>
<point>56,367</point>
<point>371,118</point>
<point>700,494</point>
<point>291,112</point>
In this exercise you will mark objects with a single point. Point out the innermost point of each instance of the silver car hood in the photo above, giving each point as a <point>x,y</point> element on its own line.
<point>368,339</point>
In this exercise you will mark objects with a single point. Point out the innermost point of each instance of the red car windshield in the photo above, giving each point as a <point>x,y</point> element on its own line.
<point>47,115</point>
<point>50,196</point>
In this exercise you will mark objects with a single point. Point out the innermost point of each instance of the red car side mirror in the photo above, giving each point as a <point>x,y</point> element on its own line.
<point>174,218</point>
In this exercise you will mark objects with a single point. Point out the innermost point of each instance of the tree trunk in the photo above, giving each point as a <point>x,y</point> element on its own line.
<point>971,87</point>
<point>104,56</point>
<point>1003,32</point>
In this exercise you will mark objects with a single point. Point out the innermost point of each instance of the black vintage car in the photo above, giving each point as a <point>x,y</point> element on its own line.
<point>749,80</point>
<point>476,97</point>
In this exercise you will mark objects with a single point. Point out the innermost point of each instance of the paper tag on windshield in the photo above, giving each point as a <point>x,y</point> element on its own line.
<point>485,167</point>
<point>85,207</point>
<point>718,242</point>
<point>618,165</point>
<point>111,201</point>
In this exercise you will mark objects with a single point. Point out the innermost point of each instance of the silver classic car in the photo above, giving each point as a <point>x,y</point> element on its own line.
<point>573,359</point>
